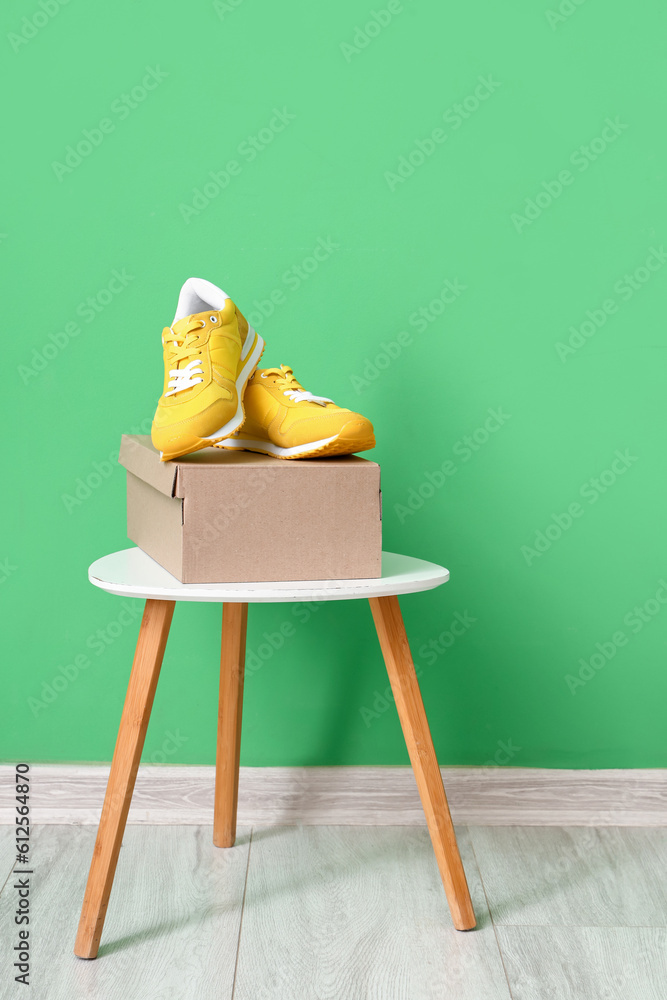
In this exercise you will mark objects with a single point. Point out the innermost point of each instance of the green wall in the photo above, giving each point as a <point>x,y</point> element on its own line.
<point>490,182</point>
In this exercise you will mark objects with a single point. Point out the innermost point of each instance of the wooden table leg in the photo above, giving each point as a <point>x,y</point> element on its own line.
<point>230,711</point>
<point>405,686</point>
<point>129,745</point>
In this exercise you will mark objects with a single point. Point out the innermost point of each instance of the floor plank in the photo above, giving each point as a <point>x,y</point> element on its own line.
<point>585,963</point>
<point>348,912</point>
<point>173,921</point>
<point>359,913</point>
<point>574,876</point>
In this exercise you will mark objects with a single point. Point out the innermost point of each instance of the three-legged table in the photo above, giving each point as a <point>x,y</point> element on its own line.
<point>131,573</point>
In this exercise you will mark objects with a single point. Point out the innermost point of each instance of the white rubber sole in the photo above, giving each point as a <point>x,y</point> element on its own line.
<point>252,359</point>
<point>268,448</point>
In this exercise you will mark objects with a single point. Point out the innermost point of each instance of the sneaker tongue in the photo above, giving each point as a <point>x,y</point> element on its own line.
<point>197,296</point>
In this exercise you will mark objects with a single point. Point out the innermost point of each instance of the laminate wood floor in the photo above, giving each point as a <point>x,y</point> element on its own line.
<point>346,913</point>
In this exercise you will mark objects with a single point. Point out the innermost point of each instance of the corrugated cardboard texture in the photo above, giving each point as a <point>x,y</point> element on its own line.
<point>250,517</point>
<point>154,523</point>
<point>138,456</point>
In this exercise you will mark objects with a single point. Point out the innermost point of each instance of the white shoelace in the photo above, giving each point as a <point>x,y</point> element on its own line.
<point>182,378</point>
<point>302,394</point>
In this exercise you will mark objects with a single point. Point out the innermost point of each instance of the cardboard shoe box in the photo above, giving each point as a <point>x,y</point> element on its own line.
<point>234,516</point>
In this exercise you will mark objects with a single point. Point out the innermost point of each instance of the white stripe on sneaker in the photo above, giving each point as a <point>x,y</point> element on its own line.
<point>249,341</point>
<point>236,421</point>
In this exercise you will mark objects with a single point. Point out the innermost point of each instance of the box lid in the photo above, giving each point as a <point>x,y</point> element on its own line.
<point>173,479</point>
<point>139,457</point>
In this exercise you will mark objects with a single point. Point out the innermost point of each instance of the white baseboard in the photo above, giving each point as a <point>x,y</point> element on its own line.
<point>490,796</point>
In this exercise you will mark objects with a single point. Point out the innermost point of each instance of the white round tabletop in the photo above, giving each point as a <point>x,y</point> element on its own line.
<point>131,573</point>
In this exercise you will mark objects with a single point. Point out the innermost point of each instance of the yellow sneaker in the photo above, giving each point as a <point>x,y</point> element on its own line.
<point>210,352</point>
<point>285,420</point>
